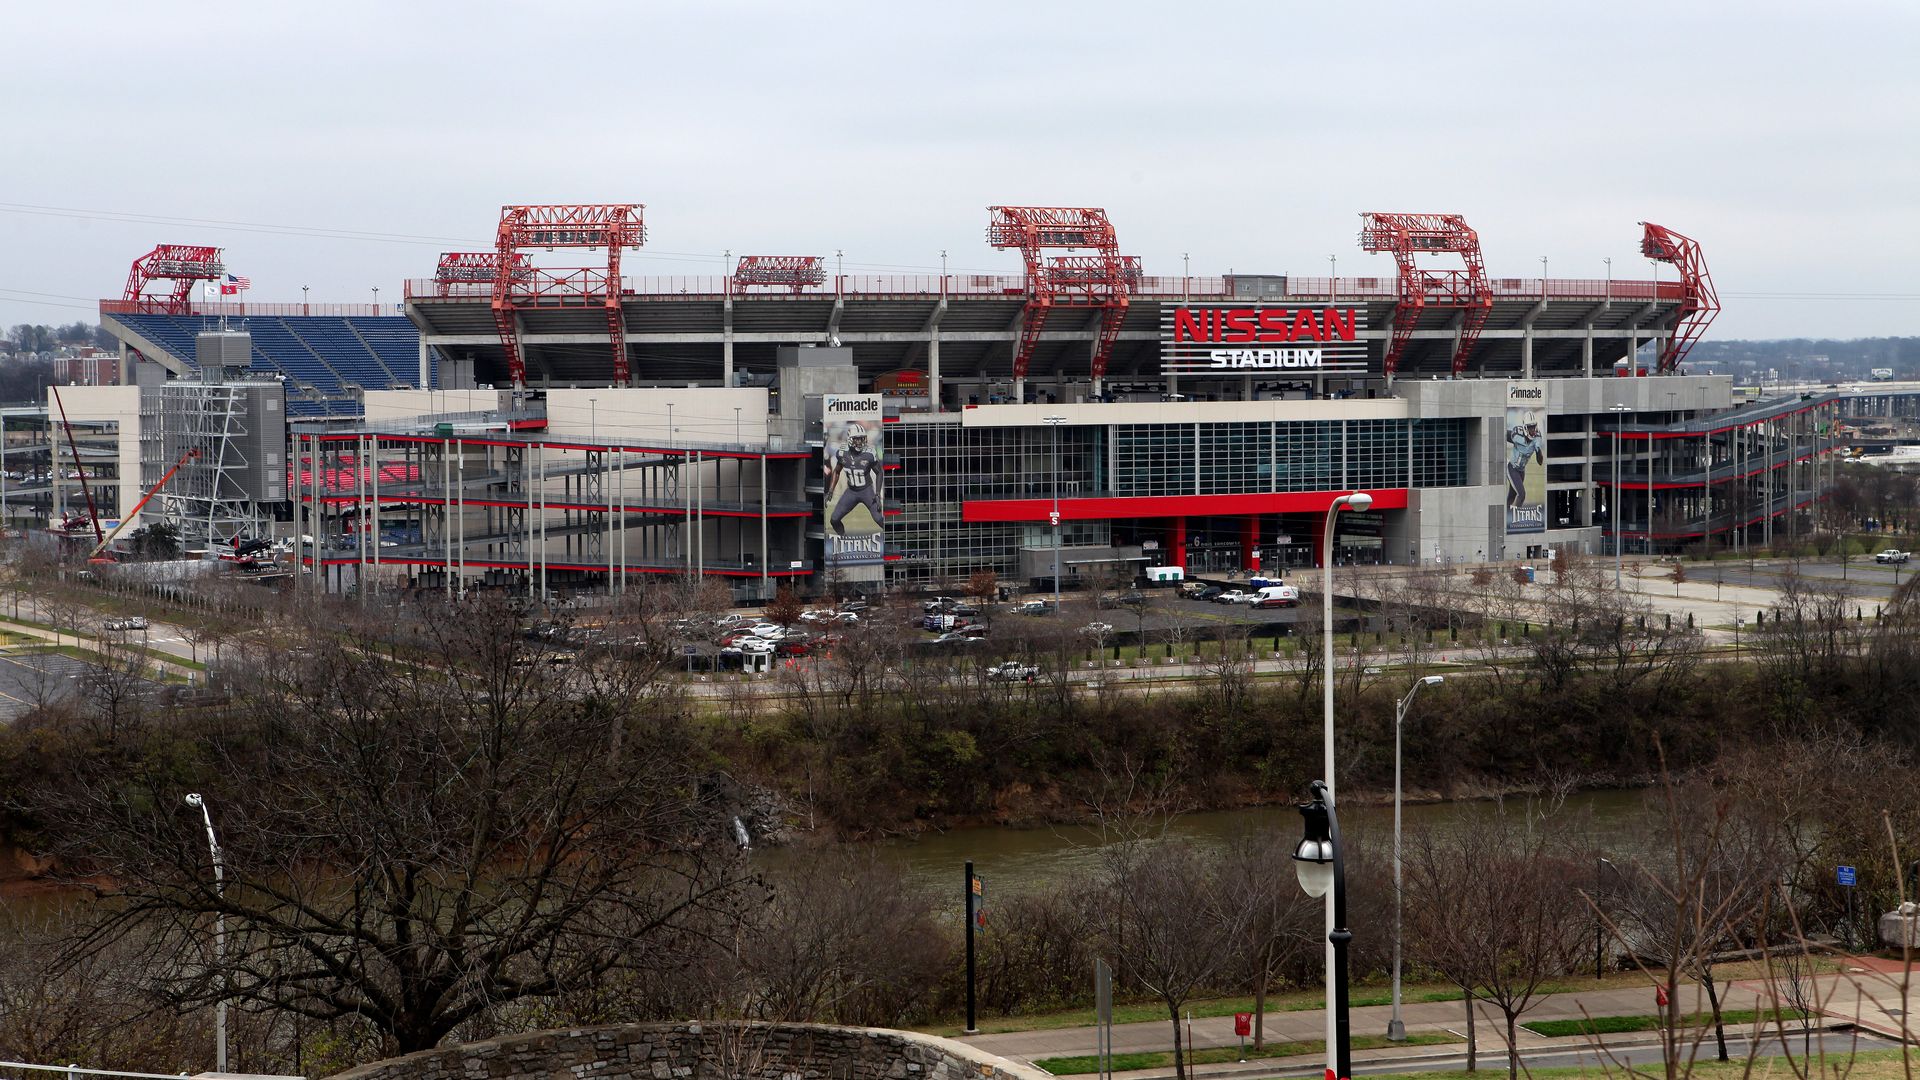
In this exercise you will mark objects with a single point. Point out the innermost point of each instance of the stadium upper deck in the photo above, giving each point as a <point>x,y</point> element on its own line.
<point>967,327</point>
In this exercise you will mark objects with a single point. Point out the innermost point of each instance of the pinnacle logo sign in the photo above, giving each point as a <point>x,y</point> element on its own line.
<point>1258,337</point>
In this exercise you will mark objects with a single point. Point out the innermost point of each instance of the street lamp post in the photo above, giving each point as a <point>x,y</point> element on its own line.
<point>1358,501</point>
<point>1599,925</point>
<point>1396,1030</point>
<point>1609,294</point>
<point>1543,277</point>
<point>1617,411</point>
<point>593,418</point>
<point>376,299</point>
<point>219,935</point>
<point>1054,422</point>
<point>1333,289</point>
<point>1319,863</point>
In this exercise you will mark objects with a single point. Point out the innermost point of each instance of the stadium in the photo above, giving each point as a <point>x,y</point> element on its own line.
<point>512,424</point>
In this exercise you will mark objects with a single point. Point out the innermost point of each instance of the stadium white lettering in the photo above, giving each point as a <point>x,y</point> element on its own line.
<point>1267,358</point>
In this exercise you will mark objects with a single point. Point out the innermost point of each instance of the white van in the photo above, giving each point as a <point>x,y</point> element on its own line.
<point>1272,596</point>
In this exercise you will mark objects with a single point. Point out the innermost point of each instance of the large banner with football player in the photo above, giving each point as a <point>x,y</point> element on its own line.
<point>1526,457</point>
<point>850,426</point>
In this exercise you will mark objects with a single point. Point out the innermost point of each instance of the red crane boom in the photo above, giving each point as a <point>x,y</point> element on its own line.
<point>613,226</point>
<point>1699,303</point>
<point>1103,281</point>
<point>1410,235</point>
<point>181,264</point>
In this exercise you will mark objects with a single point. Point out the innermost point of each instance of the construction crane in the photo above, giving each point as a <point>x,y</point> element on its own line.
<point>1699,303</point>
<point>79,466</point>
<point>792,271</point>
<point>1410,235</point>
<point>181,264</point>
<point>613,226</point>
<point>1103,281</point>
<point>151,492</point>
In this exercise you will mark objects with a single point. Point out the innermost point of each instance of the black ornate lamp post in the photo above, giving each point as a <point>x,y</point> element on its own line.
<point>1319,862</point>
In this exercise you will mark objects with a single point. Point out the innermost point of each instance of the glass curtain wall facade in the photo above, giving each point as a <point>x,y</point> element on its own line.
<point>943,465</point>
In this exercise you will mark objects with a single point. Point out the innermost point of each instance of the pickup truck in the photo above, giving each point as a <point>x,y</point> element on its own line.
<point>1892,555</point>
<point>1013,671</point>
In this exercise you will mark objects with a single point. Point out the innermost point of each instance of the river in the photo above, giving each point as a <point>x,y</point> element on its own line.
<point>1021,860</point>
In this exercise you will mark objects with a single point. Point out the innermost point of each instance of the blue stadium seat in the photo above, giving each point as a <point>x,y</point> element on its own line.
<point>322,351</point>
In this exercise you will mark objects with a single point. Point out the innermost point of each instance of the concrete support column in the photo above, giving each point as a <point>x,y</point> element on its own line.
<point>426,366</point>
<point>933,372</point>
<point>1177,541</point>
<point>726,341</point>
<point>1250,542</point>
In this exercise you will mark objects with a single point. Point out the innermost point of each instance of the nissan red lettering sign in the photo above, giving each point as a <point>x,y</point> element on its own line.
<point>1261,338</point>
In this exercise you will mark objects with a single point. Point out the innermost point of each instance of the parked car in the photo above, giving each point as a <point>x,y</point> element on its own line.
<point>1097,629</point>
<point>1130,598</point>
<point>127,622</point>
<point>938,603</point>
<point>1892,555</point>
<point>792,648</point>
<point>962,636</point>
<point>855,606</point>
<point>1013,671</point>
<point>1191,590</point>
<point>1267,602</point>
<point>1207,593</point>
<point>1034,607</point>
<point>731,619</point>
<point>758,646</point>
<point>1232,596</point>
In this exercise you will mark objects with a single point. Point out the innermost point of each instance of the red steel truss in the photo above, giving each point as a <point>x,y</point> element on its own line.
<point>477,268</point>
<point>612,226</point>
<point>1700,304</point>
<point>182,264</point>
<point>791,271</point>
<point>1409,235</point>
<point>1103,281</point>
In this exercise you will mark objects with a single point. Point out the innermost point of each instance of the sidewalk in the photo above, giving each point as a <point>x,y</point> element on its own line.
<point>1870,1007</point>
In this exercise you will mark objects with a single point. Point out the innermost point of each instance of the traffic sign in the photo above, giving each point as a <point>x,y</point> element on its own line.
<point>1846,876</point>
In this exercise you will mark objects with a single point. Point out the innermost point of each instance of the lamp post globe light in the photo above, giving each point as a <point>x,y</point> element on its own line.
<point>1320,865</point>
<point>1396,1030</point>
<point>1357,501</point>
<point>219,932</point>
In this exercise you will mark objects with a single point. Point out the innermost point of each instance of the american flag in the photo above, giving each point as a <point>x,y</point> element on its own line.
<point>234,285</point>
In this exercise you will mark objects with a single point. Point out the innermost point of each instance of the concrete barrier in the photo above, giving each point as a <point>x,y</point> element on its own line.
<point>703,1051</point>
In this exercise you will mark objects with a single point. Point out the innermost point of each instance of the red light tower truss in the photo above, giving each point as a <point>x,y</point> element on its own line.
<point>1410,235</point>
<point>181,264</point>
<point>478,268</point>
<point>1103,281</point>
<point>1700,303</point>
<point>795,272</point>
<point>611,226</point>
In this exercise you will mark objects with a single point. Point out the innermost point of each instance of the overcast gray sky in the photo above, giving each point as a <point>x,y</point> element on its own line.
<point>1784,137</point>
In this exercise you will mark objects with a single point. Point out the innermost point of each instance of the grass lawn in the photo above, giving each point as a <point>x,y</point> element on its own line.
<point>1871,1065</point>
<point>1609,1025</point>
<point>1070,1066</point>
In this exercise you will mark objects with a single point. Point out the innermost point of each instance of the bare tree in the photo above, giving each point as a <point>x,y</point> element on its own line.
<point>1502,944</point>
<point>410,845</point>
<point>1282,922</point>
<point>1173,925</point>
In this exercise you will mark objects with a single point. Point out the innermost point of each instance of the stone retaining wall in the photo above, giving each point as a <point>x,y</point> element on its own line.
<point>703,1051</point>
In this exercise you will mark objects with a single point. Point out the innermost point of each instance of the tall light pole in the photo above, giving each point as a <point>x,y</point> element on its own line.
<point>1543,277</point>
<point>669,423</point>
<point>1619,416</point>
<point>376,299</point>
<point>736,426</point>
<point>219,935</point>
<point>1396,1030</point>
<point>1321,867</point>
<point>1357,501</point>
<point>303,300</point>
<point>1609,294</point>
<point>593,418</point>
<point>1333,264</point>
<point>1054,422</point>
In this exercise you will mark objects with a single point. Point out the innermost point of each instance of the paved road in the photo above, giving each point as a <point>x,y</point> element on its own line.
<point>1839,1043</point>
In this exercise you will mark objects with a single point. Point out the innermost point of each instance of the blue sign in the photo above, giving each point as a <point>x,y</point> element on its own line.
<point>1846,875</point>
